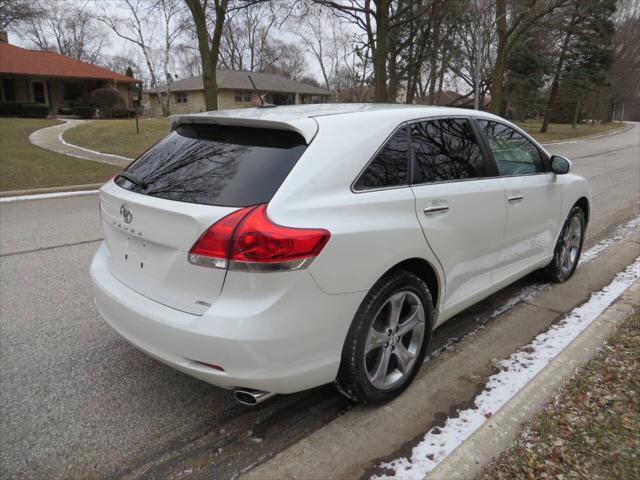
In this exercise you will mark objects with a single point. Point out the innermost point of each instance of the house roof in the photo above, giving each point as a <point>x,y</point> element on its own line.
<point>230,79</point>
<point>21,61</point>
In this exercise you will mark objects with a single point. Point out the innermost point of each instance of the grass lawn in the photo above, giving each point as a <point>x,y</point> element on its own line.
<point>118,136</point>
<point>557,131</point>
<point>592,430</point>
<point>24,166</point>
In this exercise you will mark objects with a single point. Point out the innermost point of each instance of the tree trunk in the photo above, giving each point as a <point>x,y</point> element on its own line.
<point>576,113</point>
<point>380,56</point>
<point>501,56</point>
<point>209,48</point>
<point>556,82</point>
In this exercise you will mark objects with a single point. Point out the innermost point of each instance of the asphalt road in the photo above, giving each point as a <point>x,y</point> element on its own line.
<point>78,402</point>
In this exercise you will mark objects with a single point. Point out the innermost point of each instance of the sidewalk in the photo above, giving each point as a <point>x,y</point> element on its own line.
<point>50,138</point>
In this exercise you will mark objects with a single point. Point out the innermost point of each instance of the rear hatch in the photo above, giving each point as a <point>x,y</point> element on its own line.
<point>158,207</point>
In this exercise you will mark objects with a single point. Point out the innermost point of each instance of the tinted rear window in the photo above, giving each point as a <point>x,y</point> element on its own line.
<point>390,166</point>
<point>217,165</point>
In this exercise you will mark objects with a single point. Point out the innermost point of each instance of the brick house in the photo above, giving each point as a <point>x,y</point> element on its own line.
<point>54,80</point>
<point>235,91</point>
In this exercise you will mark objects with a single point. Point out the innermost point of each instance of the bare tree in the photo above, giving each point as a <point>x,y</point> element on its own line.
<point>322,35</point>
<point>247,35</point>
<point>71,30</point>
<point>286,59</point>
<point>153,26</point>
<point>373,18</point>
<point>15,11</point>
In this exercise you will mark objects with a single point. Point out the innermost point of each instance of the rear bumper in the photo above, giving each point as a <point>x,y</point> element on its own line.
<point>276,332</point>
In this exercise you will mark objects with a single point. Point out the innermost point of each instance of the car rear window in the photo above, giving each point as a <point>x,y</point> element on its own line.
<point>216,165</point>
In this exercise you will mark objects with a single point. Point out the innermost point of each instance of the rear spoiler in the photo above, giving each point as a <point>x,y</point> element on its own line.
<point>305,126</point>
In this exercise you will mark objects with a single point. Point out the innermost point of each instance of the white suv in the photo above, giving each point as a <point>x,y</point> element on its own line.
<point>271,250</point>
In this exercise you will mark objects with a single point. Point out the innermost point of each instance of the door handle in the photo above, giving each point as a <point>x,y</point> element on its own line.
<point>436,209</point>
<point>515,198</point>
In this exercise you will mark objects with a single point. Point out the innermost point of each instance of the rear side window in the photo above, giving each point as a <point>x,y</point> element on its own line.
<point>216,165</point>
<point>390,166</point>
<point>445,150</point>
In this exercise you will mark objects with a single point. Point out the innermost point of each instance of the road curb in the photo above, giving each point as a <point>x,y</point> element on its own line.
<point>502,429</point>
<point>40,191</point>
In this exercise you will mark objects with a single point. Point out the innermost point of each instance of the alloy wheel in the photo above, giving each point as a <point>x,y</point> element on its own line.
<point>571,242</point>
<point>394,340</point>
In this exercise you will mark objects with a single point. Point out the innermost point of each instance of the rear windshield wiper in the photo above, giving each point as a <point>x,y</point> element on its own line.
<point>133,179</point>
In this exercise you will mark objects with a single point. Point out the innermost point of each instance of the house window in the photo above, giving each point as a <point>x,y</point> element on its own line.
<point>38,92</point>
<point>8,90</point>
<point>243,97</point>
<point>181,97</point>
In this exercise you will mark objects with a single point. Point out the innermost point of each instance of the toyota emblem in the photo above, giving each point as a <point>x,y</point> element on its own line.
<point>125,213</point>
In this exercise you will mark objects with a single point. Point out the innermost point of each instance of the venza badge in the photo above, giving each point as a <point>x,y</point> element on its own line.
<point>125,213</point>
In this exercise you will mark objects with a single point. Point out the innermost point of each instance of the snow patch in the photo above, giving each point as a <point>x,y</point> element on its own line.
<point>515,373</point>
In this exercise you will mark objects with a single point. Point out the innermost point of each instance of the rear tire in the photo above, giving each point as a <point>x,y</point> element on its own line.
<point>387,340</point>
<point>568,248</point>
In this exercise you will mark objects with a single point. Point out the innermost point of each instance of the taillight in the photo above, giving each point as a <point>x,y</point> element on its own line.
<point>247,240</point>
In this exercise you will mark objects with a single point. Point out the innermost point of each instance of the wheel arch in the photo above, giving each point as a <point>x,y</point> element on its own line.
<point>583,203</point>
<point>426,271</point>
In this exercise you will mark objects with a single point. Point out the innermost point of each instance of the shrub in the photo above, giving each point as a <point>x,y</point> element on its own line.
<point>34,110</point>
<point>83,111</point>
<point>123,113</point>
<point>107,100</point>
<point>10,108</point>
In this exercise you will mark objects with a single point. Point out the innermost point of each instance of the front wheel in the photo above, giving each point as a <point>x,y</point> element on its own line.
<point>388,339</point>
<point>568,248</point>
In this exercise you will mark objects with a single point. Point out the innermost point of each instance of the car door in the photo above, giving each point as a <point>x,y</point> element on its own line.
<point>460,205</point>
<point>532,198</point>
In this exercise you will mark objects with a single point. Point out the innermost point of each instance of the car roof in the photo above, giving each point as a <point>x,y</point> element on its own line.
<point>302,118</point>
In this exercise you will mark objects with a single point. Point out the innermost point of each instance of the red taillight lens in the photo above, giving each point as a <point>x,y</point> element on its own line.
<point>212,248</point>
<point>248,240</point>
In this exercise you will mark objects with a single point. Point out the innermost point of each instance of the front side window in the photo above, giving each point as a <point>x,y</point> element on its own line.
<point>445,150</point>
<point>181,97</point>
<point>390,166</point>
<point>513,152</point>
<point>216,165</point>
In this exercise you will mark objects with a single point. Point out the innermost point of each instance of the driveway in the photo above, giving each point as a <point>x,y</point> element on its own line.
<point>78,401</point>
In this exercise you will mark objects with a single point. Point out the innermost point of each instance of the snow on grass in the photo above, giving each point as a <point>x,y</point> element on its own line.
<point>515,373</point>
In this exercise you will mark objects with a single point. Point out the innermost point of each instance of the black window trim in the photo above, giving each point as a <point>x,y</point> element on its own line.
<point>543,154</point>
<point>374,156</point>
<point>492,168</point>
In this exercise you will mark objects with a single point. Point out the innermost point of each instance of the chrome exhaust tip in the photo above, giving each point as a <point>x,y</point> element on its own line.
<point>251,397</point>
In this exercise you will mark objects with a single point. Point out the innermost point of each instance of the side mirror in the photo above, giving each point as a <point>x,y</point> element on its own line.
<point>560,165</point>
